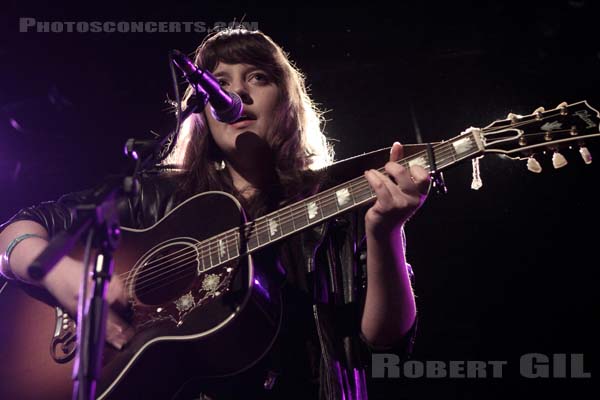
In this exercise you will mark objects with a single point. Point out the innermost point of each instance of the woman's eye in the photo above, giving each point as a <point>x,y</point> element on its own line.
<point>222,82</point>
<point>260,77</point>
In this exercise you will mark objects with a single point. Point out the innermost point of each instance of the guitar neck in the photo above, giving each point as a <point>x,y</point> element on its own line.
<point>329,203</point>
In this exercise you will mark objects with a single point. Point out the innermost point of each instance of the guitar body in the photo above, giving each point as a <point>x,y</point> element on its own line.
<point>194,313</point>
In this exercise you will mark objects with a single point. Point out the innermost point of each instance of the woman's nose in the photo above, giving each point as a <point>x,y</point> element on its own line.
<point>241,90</point>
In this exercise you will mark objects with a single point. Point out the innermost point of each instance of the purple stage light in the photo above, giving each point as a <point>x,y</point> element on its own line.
<point>15,124</point>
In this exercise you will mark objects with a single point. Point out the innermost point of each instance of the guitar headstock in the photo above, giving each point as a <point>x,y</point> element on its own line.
<point>523,137</point>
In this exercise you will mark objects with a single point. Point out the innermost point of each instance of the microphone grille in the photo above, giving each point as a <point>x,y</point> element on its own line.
<point>231,113</point>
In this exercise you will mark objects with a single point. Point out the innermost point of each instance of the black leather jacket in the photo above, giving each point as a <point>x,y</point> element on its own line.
<point>333,255</point>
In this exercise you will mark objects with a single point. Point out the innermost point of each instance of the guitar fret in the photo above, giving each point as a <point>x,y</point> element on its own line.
<point>233,245</point>
<point>328,205</point>
<point>204,258</point>
<point>226,247</point>
<point>221,250</point>
<point>319,202</point>
<point>251,237</point>
<point>362,191</point>
<point>300,217</point>
<point>287,224</point>
<point>371,192</point>
<point>351,190</point>
<point>213,253</point>
<point>444,156</point>
<point>262,231</point>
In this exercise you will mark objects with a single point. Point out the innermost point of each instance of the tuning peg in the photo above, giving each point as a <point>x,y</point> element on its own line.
<point>563,108</point>
<point>533,165</point>
<point>585,154</point>
<point>538,112</point>
<point>513,117</point>
<point>558,160</point>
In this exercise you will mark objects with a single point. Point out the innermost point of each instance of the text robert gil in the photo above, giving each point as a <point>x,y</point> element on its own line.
<point>531,365</point>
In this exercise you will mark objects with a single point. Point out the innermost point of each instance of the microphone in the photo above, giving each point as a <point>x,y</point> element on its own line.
<point>224,106</point>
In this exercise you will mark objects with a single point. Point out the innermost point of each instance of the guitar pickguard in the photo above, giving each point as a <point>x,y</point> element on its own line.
<point>206,287</point>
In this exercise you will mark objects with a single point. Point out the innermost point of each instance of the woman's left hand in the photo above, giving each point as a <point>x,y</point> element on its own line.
<point>399,195</point>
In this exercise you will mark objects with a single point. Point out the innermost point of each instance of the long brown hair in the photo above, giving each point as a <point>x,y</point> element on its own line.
<point>297,142</point>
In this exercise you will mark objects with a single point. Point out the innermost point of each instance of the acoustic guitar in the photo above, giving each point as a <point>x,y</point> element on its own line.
<point>200,306</point>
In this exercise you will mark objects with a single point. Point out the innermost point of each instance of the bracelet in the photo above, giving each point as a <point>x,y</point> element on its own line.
<point>5,268</point>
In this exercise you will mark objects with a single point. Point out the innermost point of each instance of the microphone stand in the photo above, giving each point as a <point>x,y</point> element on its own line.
<point>98,217</point>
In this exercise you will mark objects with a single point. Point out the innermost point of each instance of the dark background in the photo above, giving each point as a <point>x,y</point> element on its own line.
<point>500,272</point>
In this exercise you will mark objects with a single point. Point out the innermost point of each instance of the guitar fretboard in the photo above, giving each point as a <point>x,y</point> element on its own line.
<point>325,205</point>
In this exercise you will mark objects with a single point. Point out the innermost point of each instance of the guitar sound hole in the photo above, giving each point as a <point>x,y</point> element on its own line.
<point>166,275</point>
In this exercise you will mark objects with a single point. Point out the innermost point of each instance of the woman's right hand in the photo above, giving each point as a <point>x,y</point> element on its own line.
<point>64,281</point>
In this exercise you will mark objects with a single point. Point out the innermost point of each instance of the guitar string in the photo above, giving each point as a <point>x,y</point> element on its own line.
<point>446,152</point>
<point>176,272</point>
<point>256,230</point>
<point>326,201</point>
<point>168,269</point>
<point>211,253</point>
<point>357,190</point>
<point>264,222</point>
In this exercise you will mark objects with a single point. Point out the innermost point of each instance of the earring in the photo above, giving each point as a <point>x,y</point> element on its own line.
<point>220,166</point>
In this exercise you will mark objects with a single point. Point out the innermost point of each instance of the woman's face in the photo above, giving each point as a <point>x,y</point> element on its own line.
<point>259,96</point>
